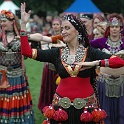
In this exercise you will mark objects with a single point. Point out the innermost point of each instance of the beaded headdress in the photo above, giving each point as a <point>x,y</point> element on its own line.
<point>115,22</point>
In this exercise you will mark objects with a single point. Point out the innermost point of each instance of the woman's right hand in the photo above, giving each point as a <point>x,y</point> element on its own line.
<point>24,15</point>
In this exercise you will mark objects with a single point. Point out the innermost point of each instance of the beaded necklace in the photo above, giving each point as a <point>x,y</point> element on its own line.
<point>70,59</point>
<point>114,46</point>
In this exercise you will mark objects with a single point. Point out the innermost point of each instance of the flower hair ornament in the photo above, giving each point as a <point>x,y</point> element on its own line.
<point>5,14</point>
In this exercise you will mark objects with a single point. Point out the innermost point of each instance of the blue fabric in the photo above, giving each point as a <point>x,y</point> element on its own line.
<point>83,6</point>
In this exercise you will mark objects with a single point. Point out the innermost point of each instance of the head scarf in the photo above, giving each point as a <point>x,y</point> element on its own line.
<point>80,27</point>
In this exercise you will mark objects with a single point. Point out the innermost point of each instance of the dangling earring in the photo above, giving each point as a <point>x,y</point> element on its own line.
<point>79,37</point>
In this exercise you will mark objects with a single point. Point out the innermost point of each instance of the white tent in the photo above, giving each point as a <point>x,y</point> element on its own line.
<point>9,5</point>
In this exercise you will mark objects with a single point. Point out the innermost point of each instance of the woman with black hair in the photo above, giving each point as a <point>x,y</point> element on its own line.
<point>74,100</point>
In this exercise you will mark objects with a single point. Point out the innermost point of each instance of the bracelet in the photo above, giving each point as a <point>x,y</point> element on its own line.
<point>106,63</point>
<point>28,36</point>
<point>23,33</point>
<point>34,53</point>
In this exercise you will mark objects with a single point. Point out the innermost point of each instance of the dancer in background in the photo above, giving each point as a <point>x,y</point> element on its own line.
<point>111,81</point>
<point>15,96</point>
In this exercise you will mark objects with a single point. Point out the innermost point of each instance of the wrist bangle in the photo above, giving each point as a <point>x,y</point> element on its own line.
<point>28,36</point>
<point>23,33</point>
<point>34,53</point>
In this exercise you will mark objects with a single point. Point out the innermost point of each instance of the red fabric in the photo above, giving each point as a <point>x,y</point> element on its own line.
<point>75,87</point>
<point>25,47</point>
<point>115,62</point>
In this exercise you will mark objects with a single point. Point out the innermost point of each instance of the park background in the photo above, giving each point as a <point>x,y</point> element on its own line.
<point>34,74</point>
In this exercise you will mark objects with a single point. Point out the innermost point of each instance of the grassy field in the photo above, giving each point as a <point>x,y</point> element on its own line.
<point>34,73</point>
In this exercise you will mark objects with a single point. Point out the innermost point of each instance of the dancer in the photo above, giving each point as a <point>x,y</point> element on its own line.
<point>74,99</point>
<point>111,81</point>
<point>15,96</point>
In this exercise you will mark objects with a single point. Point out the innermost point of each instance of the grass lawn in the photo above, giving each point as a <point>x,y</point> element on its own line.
<point>34,73</point>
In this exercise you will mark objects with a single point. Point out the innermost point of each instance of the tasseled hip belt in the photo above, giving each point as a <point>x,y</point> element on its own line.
<point>114,85</point>
<point>78,103</point>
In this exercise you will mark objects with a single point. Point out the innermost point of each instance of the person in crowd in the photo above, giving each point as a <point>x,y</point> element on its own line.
<point>37,24</point>
<point>74,100</point>
<point>97,19</point>
<point>111,81</point>
<point>49,75</point>
<point>87,20</point>
<point>15,96</point>
<point>100,29</point>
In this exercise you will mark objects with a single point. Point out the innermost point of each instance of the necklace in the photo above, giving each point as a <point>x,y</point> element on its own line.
<point>70,59</point>
<point>114,46</point>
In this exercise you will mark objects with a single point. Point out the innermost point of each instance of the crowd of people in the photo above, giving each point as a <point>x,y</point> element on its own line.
<point>84,53</point>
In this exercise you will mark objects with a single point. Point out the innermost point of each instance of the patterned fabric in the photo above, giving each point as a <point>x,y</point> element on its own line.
<point>15,101</point>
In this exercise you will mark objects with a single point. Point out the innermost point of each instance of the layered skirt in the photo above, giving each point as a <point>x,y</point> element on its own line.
<point>15,100</point>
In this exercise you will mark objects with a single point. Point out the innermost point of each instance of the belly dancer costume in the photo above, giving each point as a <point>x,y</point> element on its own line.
<point>111,88</point>
<point>15,97</point>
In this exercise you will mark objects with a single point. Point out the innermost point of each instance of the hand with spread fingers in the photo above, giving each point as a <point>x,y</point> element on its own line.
<point>25,16</point>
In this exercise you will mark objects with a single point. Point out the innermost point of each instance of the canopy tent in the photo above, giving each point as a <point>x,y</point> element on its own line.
<point>9,5</point>
<point>82,6</point>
